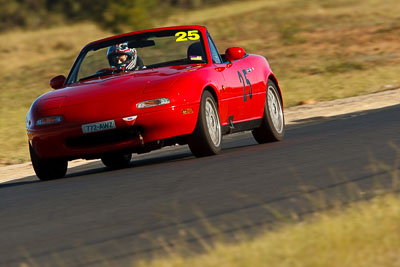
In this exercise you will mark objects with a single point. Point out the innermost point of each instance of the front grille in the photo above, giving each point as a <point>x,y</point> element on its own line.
<point>102,138</point>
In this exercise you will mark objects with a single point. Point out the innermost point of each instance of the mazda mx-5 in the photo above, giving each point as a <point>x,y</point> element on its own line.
<point>141,91</point>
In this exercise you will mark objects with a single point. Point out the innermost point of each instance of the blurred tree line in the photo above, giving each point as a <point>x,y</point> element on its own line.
<point>117,16</point>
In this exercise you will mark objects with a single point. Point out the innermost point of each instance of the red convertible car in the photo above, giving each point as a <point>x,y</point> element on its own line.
<point>140,91</point>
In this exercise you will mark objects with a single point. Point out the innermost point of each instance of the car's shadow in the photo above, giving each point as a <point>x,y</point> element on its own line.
<point>163,157</point>
<point>98,167</point>
<point>20,182</point>
<point>175,155</point>
<point>240,141</point>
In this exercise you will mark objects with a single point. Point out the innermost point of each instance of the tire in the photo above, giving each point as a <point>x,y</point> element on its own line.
<point>117,160</point>
<point>206,138</point>
<point>48,169</point>
<point>272,128</point>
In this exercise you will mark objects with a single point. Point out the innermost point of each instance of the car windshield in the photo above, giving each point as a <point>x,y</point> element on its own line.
<point>144,51</point>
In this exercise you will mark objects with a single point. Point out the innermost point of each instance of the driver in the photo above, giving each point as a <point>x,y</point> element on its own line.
<point>121,57</point>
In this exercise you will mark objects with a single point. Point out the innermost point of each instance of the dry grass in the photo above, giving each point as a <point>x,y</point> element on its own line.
<point>319,49</point>
<point>204,16</point>
<point>28,61</point>
<point>363,235</point>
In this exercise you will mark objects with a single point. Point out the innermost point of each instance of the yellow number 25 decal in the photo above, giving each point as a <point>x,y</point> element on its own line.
<point>185,36</point>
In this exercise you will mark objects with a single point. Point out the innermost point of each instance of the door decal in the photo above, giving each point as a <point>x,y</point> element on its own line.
<point>244,80</point>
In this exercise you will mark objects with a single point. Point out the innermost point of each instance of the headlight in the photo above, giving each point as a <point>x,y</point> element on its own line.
<point>49,120</point>
<point>153,103</point>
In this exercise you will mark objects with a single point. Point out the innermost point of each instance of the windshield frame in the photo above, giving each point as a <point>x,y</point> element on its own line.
<point>72,76</point>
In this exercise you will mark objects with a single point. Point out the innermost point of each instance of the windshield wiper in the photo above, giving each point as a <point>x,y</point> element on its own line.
<point>177,62</point>
<point>100,73</point>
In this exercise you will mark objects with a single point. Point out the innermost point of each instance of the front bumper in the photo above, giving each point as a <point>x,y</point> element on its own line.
<point>67,140</point>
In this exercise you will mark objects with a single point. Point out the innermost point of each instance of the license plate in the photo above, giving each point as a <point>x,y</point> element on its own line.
<point>98,126</point>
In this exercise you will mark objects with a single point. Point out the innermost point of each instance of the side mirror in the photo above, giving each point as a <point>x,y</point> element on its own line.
<point>234,53</point>
<point>57,82</point>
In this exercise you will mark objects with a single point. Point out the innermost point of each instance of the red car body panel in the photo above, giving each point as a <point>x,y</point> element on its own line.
<point>239,88</point>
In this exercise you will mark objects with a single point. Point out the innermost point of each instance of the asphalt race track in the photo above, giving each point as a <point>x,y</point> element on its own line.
<point>101,217</point>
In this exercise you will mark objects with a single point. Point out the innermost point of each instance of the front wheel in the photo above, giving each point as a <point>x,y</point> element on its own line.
<point>272,127</point>
<point>117,160</point>
<point>48,169</point>
<point>207,137</point>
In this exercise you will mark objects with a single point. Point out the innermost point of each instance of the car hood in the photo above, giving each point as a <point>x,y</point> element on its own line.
<point>112,96</point>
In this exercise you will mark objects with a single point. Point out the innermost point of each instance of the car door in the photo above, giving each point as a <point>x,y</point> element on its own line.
<point>232,93</point>
<point>245,79</point>
<point>239,88</point>
<point>243,92</point>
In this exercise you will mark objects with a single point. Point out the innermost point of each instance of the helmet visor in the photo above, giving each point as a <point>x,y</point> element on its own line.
<point>118,59</point>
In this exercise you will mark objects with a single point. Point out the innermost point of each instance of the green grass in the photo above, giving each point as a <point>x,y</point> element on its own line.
<point>364,234</point>
<point>319,49</point>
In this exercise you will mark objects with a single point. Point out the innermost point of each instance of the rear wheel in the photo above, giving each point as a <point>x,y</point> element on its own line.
<point>207,137</point>
<point>48,169</point>
<point>117,160</point>
<point>272,127</point>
